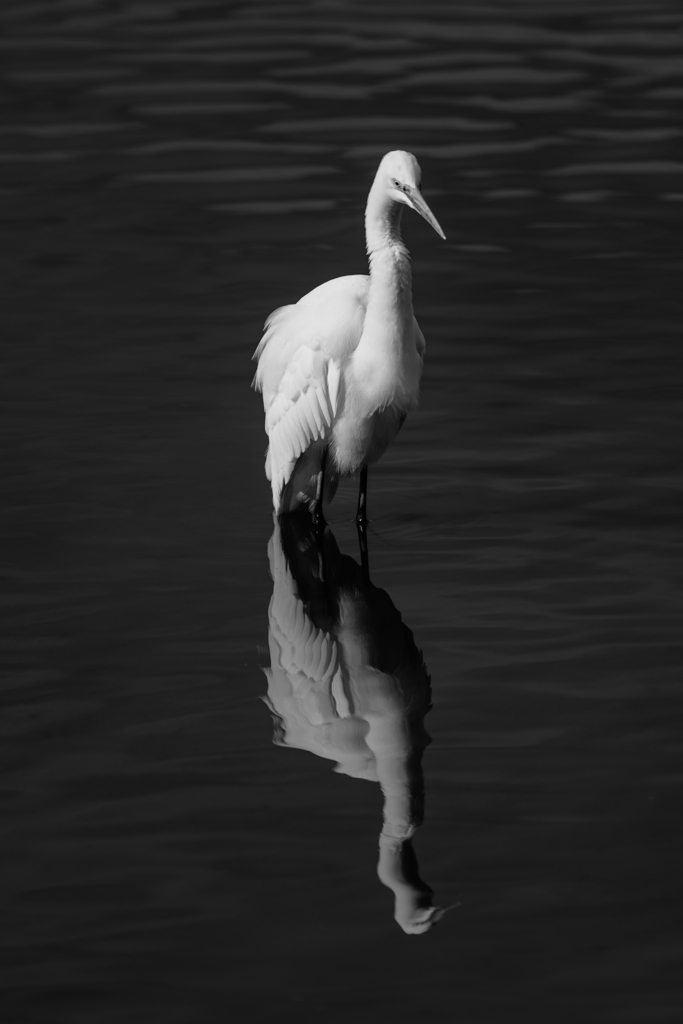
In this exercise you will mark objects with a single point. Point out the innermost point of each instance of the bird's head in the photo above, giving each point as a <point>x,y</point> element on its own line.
<point>399,175</point>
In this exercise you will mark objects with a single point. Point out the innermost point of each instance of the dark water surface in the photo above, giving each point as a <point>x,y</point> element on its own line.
<point>170,172</point>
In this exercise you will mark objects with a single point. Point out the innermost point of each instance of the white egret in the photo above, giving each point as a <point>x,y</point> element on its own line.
<point>340,369</point>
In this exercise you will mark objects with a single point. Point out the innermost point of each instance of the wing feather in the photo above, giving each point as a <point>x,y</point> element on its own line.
<point>298,434</point>
<point>333,380</point>
<point>302,411</point>
<point>305,409</point>
<point>314,406</point>
<point>322,401</point>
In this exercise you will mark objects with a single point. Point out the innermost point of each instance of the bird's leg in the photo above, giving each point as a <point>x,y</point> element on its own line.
<point>362,522</point>
<point>317,510</point>
<point>361,515</point>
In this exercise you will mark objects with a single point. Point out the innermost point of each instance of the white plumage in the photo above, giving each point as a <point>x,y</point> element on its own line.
<point>340,369</point>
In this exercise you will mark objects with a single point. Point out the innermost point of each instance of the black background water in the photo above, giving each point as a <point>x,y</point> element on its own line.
<point>171,172</point>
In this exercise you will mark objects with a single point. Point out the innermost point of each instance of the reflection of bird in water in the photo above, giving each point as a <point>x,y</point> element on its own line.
<point>347,682</point>
<point>340,370</point>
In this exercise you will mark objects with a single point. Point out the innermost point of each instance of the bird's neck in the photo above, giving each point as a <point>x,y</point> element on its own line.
<point>383,360</point>
<point>390,276</point>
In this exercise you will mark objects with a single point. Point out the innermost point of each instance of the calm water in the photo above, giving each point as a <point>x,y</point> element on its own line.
<point>171,172</point>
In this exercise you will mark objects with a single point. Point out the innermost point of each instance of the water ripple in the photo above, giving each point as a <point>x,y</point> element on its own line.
<point>235,175</point>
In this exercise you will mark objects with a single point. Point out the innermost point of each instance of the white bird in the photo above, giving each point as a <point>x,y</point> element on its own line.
<point>340,369</point>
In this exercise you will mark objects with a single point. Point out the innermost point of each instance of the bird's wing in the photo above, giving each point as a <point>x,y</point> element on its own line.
<point>330,318</point>
<point>300,361</point>
<point>351,288</point>
<point>302,410</point>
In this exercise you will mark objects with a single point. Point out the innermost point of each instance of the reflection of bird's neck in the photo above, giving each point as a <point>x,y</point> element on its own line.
<point>399,773</point>
<point>397,869</point>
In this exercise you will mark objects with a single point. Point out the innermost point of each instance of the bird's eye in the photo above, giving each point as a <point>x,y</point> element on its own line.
<point>396,183</point>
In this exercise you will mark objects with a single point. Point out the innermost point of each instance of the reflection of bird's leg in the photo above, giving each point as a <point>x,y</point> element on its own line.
<point>317,510</point>
<point>363,545</point>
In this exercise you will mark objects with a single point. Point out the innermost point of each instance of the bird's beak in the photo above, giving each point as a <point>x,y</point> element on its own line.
<point>417,202</point>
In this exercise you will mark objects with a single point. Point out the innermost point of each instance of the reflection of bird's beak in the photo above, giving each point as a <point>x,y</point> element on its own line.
<point>417,202</point>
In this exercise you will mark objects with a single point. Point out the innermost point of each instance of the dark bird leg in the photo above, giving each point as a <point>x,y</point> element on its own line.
<point>362,522</point>
<point>361,514</point>
<point>317,510</point>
